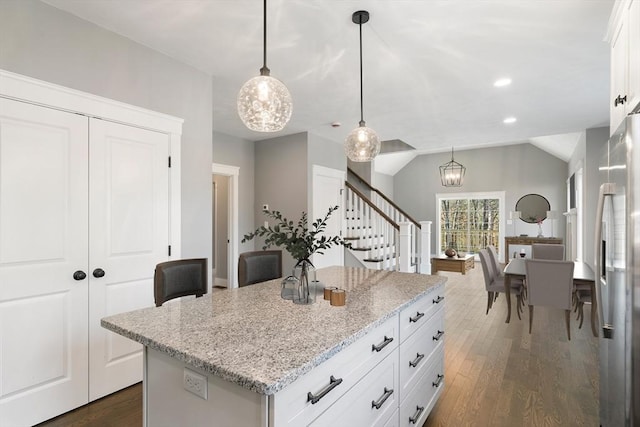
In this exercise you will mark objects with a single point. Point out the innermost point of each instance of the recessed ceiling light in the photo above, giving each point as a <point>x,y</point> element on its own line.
<point>509,120</point>
<point>506,81</point>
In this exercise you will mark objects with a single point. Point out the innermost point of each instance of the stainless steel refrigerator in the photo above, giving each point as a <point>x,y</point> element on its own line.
<point>617,243</point>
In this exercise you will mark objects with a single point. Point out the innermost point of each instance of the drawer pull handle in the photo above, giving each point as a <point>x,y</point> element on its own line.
<point>387,392</point>
<point>619,100</point>
<point>438,300</point>
<point>333,383</point>
<point>416,416</point>
<point>417,360</point>
<point>415,318</point>
<point>439,335</point>
<point>382,345</point>
<point>437,382</point>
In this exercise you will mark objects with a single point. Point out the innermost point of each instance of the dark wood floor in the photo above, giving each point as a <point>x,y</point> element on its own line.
<point>496,374</point>
<point>121,409</point>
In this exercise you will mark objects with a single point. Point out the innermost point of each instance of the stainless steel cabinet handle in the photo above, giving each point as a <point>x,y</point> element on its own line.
<point>333,383</point>
<point>387,392</point>
<point>417,317</point>
<point>382,345</point>
<point>416,416</point>
<point>417,360</point>
<point>437,382</point>
<point>439,335</point>
<point>79,275</point>
<point>438,300</point>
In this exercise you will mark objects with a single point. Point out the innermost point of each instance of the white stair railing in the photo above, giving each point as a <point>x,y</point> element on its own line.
<point>371,231</point>
<point>392,214</point>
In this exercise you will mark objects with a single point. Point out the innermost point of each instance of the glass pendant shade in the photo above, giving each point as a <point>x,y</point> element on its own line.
<point>452,173</point>
<point>264,104</point>
<point>362,144</point>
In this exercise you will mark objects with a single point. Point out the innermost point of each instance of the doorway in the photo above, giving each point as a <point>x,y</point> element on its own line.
<point>225,225</point>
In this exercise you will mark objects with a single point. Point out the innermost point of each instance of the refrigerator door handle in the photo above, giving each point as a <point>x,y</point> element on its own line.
<point>606,189</point>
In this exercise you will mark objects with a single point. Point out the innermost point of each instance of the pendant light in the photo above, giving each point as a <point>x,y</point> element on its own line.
<point>264,102</point>
<point>362,144</point>
<point>452,173</point>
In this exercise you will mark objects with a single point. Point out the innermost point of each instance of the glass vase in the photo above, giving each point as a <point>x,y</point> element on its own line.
<point>540,230</point>
<point>305,272</point>
<point>289,287</point>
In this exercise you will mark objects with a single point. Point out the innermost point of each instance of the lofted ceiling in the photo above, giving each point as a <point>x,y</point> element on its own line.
<point>429,65</point>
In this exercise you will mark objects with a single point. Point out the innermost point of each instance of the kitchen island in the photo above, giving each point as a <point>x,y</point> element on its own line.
<point>246,357</point>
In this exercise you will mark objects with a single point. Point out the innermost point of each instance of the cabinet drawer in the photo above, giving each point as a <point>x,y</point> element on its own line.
<point>371,402</point>
<point>417,405</point>
<point>417,314</point>
<point>417,351</point>
<point>324,384</point>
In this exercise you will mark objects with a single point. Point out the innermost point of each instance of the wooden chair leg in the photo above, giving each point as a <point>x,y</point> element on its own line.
<point>530,318</point>
<point>567,318</point>
<point>581,314</point>
<point>519,309</point>
<point>489,301</point>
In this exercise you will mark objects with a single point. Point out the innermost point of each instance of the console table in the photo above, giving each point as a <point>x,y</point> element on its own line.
<point>527,240</point>
<point>455,264</point>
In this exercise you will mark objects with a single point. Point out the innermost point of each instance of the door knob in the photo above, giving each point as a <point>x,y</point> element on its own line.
<point>79,275</point>
<point>98,272</point>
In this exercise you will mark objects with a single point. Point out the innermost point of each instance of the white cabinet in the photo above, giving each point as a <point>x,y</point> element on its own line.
<point>421,358</point>
<point>84,217</point>
<point>625,61</point>
<point>312,394</point>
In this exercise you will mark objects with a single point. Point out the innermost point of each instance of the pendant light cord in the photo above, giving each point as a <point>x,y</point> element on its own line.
<point>264,71</point>
<point>361,91</point>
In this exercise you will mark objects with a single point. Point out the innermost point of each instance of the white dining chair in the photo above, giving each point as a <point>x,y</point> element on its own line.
<point>550,284</point>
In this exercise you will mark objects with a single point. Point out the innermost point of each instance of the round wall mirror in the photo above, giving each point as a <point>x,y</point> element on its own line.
<point>533,208</point>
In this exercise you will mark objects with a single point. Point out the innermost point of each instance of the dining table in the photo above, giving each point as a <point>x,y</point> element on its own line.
<point>583,278</point>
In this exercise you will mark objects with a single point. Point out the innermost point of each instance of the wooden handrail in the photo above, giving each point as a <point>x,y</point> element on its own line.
<point>374,207</point>
<point>381,194</point>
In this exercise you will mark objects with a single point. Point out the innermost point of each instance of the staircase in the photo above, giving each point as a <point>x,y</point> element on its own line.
<point>382,236</point>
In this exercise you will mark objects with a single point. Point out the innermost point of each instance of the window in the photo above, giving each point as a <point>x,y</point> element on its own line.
<point>471,221</point>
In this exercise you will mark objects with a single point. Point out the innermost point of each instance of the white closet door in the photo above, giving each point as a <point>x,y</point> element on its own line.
<point>327,186</point>
<point>129,235</point>
<point>43,241</point>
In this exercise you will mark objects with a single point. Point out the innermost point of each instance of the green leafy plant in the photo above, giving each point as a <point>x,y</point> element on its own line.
<point>297,239</point>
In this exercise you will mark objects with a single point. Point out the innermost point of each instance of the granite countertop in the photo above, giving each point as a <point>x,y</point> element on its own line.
<point>252,337</point>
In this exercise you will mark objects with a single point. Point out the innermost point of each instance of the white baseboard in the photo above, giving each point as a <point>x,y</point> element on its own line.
<point>220,282</point>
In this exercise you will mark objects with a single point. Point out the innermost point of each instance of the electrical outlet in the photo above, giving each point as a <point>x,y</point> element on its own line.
<point>195,383</point>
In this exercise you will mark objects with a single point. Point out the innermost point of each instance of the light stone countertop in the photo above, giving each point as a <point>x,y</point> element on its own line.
<point>252,337</point>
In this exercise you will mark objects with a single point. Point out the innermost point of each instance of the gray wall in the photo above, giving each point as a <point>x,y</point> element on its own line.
<point>40,41</point>
<point>232,151</point>
<point>284,176</point>
<point>516,169</point>
<point>384,183</point>
<point>281,182</point>
<point>587,155</point>
<point>324,152</point>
